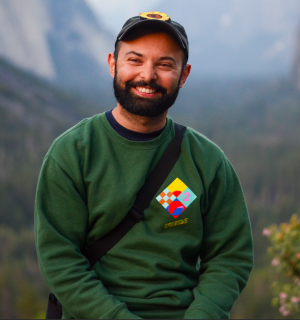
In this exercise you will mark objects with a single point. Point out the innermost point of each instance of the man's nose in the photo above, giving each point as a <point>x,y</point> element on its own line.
<point>148,72</point>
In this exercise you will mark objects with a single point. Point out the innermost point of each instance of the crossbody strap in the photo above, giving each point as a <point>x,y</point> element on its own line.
<point>154,181</point>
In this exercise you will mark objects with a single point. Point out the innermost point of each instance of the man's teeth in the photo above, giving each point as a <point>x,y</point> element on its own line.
<point>146,90</point>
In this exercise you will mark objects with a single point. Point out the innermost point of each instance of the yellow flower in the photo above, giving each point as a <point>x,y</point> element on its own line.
<point>280,236</point>
<point>155,15</point>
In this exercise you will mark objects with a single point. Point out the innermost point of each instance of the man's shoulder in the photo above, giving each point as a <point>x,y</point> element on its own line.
<point>200,144</point>
<point>78,135</point>
<point>205,154</point>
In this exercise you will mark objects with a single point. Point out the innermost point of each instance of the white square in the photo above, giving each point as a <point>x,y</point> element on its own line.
<point>165,205</point>
<point>166,191</point>
<point>173,197</point>
<point>159,198</point>
<point>166,198</point>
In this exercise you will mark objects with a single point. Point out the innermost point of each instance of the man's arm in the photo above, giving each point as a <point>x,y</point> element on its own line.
<point>61,220</point>
<point>226,252</point>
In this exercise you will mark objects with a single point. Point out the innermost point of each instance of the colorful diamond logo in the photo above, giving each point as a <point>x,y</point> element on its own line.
<point>176,198</point>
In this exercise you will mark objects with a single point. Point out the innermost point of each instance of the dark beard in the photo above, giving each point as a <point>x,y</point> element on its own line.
<point>145,107</point>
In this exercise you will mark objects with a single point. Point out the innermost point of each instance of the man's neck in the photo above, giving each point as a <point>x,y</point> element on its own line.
<point>138,123</point>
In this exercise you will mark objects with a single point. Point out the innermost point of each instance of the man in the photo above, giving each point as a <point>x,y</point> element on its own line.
<point>89,181</point>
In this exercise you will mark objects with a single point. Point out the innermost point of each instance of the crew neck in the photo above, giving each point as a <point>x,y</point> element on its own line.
<point>129,134</point>
<point>148,144</point>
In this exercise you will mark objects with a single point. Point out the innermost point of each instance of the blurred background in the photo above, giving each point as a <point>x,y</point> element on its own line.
<point>243,93</point>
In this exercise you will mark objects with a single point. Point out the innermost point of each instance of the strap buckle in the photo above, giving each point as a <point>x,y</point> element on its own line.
<point>136,213</point>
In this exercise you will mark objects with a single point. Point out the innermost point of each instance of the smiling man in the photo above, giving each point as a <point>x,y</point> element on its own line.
<point>89,186</point>
<point>151,68</point>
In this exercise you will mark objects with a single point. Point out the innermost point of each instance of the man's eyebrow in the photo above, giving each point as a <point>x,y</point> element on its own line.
<point>133,52</point>
<point>140,55</point>
<point>168,58</point>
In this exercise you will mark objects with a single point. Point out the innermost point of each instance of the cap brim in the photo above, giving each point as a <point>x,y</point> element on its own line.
<point>164,25</point>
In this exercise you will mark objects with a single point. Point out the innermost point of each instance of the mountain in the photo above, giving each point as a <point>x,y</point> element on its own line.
<point>238,38</point>
<point>24,26</point>
<point>79,45</point>
<point>62,41</point>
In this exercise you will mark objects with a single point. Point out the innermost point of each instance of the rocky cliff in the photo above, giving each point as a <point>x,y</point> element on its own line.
<point>58,40</point>
<point>24,26</point>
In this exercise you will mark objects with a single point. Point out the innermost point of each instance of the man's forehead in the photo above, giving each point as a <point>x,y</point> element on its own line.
<point>158,41</point>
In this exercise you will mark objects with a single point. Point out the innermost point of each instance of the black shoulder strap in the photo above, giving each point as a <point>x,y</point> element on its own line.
<point>155,180</point>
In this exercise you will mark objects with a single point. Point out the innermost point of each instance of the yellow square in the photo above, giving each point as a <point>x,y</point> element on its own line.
<point>177,185</point>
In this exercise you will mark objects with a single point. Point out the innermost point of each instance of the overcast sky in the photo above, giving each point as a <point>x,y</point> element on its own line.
<point>114,13</point>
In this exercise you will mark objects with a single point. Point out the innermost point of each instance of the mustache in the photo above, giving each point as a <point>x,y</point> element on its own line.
<point>142,83</point>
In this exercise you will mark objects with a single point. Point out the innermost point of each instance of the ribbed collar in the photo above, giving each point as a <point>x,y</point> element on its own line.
<point>168,130</point>
<point>129,134</point>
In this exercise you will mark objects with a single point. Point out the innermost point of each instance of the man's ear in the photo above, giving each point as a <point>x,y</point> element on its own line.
<point>185,75</point>
<point>111,64</point>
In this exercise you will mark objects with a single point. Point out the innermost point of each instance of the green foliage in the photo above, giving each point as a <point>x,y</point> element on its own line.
<point>285,251</point>
<point>23,290</point>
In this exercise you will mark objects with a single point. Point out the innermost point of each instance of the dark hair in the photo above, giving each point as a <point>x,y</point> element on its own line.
<point>137,33</point>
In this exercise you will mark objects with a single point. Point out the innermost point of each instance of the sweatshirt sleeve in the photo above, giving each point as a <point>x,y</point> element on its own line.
<point>226,252</point>
<point>61,219</point>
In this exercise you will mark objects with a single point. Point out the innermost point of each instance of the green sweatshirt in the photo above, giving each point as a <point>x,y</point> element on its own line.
<point>88,183</point>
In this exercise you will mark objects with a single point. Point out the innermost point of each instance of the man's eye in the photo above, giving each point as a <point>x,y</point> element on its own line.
<point>166,65</point>
<point>134,60</point>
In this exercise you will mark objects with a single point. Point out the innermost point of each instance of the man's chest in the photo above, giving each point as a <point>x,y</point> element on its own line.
<point>175,208</point>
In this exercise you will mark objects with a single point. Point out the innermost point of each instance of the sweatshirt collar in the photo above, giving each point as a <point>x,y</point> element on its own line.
<point>169,129</point>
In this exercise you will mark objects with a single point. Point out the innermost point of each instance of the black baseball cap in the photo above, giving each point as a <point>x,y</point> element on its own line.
<point>159,20</point>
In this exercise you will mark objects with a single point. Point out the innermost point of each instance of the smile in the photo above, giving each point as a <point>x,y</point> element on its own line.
<point>146,90</point>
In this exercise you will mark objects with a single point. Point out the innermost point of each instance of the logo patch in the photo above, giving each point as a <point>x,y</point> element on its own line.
<point>176,198</point>
<point>155,15</point>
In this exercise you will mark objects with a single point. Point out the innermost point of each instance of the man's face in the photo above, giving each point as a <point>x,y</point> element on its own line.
<point>148,74</point>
